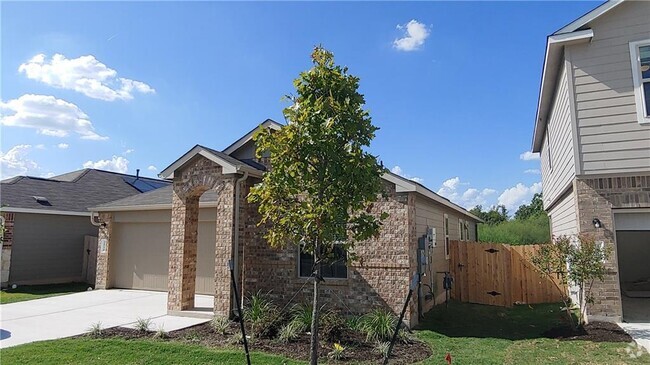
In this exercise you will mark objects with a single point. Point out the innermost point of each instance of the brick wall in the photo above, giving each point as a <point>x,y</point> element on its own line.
<point>7,241</point>
<point>596,198</point>
<point>380,278</point>
<point>102,279</point>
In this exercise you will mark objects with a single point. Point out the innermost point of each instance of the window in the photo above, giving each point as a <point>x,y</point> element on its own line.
<point>461,231</point>
<point>640,57</point>
<point>466,226</point>
<point>337,269</point>
<point>446,229</point>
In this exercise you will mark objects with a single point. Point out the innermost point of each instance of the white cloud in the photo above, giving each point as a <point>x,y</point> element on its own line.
<point>15,162</point>
<point>415,34</point>
<point>48,175</point>
<point>519,194</point>
<point>40,146</point>
<point>532,171</point>
<point>48,115</point>
<point>398,171</point>
<point>63,146</point>
<point>469,198</point>
<point>84,74</point>
<point>115,164</point>
<point>529,156</point>
<point>130,150</point>
<point>152,168</point>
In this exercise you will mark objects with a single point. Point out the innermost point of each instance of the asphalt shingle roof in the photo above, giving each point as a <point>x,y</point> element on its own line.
<point>75,191</point>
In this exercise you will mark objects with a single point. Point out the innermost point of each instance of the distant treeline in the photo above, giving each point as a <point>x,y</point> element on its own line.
<point>530,224</point>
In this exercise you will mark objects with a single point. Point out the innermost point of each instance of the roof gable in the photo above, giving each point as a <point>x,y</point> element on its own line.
<point>269,123</point>
<point>229,164</point>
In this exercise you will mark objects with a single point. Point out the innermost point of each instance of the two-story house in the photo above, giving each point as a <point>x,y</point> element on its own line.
<point>592,131</point>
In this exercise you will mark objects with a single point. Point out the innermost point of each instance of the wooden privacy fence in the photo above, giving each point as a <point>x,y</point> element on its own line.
<point>499,274</point>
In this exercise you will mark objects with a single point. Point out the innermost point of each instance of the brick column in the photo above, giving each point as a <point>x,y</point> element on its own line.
<point>102,278</point>
<point>592,204</point>
<point>7,241</point>
<point>182,251</point>
<point>223,250</point>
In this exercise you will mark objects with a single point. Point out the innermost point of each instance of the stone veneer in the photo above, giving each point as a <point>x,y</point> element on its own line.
<point>102,278</point>
<point>596,197</point>
<point>190,182</point>
<point>7,241</point>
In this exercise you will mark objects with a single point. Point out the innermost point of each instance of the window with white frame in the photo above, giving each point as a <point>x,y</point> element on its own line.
<point>461,231</point>
<point>640,57</point>
<point>337,268</point>
<point>466,227</point>
<point>446,229</point>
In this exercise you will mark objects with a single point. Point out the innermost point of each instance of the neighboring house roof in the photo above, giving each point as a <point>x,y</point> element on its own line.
<point>73,192</point>
<point>573,33</point>
<point>229,164</point>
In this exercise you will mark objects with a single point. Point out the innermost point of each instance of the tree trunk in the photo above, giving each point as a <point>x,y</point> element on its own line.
<point>313,352</point>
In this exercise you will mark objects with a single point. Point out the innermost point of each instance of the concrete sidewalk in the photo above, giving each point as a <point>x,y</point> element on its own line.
<point>70,315</point>
<point>640,332</point>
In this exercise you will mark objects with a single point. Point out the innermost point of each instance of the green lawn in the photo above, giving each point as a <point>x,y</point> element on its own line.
<point>29,292</point>
<point>478,334</point>
<point>472,334</point>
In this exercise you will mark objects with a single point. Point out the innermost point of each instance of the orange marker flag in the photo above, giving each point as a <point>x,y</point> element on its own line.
<point>448,358</point>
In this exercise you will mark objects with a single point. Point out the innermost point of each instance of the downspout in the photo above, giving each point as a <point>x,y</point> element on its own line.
<point>92,220</point>
<point>236,236</point>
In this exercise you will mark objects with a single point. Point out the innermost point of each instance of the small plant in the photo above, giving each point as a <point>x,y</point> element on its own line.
<point>236,339</point>
<point>160,332</point>
<point>290,332</point>
<point>331,325</point>
<point>354,323</point>
<point>301,314</point>
<point>337,352</point>
<point>192,336</point>
<point>404,336</point>
<point>261,313</point>
<point>143,324</point>
<point>382,347</point>
<point>378,325</point>
<point>95,329</point>
<point>220,324</point>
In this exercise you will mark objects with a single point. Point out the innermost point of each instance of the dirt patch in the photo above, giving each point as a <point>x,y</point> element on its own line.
<point>594,331</point>
<point>356,349</point>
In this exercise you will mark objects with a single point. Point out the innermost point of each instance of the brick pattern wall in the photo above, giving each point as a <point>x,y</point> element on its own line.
<point>8,236</point>
<point>102,278</point>
<point>7,241</point>
<point>190,183</point>
<point>596,197</point>
<point>380,278</point>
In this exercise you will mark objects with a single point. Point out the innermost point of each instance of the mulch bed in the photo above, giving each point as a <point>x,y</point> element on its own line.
<point>594,331</point>
<point>356,349</point>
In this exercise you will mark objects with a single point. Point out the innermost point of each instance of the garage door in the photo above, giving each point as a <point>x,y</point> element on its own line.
<point>140,256</point>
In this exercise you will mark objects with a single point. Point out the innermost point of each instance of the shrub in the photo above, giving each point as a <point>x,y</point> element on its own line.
<point>96,329</point>
<point>236,339</point>
<point>382,347</point>
<point>301,314</point>
<point>290,332</point>
<point>143,324</point>
<point>160,332</point>
<point>262,314</point>
<point>528,231</point>
<point>378,325</point>
<point>354,323</point>
<point>220,324</point>
<point>337,352</point>
<point>331,324</point>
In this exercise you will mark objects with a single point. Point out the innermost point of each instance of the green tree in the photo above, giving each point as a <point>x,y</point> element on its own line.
<point>536,207</point>
<point>322,183</point>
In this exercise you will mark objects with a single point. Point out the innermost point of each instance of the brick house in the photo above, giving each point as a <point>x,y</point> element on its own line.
<point>593,133</point>
<point>179,239</point>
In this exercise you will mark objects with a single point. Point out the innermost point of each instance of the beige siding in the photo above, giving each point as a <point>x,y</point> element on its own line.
<point>559,172</point>
<point>48,248</point>
<point>140,250</point>
<point>611,139</point>
<point>429,214</point>
<point>563,216</point>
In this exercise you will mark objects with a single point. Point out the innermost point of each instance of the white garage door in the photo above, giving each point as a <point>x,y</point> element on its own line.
<point>140,256</point>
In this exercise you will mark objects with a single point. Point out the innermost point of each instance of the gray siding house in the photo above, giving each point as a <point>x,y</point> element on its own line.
<point>48,232</point>
<point>592,131</point>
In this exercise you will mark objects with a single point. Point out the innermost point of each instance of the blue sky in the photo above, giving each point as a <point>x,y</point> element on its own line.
<point>453,86</point>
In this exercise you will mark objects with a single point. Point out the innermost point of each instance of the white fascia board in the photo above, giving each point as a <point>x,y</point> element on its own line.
<point>243,140</point>
<point>589,17</point>
<point>43,211</point>
<point>130,208</point>
<point>403,185</point>
<point>227,167</point>
<point>552,63</point>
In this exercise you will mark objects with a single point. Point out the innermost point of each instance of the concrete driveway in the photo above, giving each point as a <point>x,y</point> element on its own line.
<point>70,315</point>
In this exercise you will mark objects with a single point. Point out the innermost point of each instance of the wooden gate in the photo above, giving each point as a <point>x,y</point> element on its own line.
<point>498,274</point>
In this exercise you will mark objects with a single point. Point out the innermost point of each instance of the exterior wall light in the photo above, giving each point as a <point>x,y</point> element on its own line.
<point>597,223</point>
